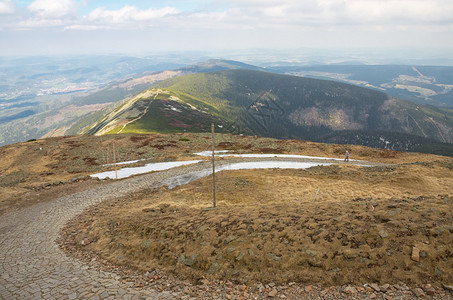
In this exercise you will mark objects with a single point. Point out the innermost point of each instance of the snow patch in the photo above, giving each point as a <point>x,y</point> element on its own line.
<point>124,162</point>
<point>126,172</point>
<point>224,153</point>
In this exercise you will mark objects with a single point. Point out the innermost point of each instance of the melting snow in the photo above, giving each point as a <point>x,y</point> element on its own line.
<point>124,162</point>
<point>219,154</point>
<point>189,177</point>
<point>126,172</point>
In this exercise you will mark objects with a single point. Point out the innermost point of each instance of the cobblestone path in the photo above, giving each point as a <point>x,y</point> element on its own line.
<point>32,266</point>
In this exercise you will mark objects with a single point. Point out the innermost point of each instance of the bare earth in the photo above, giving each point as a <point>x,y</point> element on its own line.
<point>377,232</point>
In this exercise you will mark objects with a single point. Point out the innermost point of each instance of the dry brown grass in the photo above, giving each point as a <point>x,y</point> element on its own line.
<point>28,168</point>
<point>266,228</point>
<point>361,228</point>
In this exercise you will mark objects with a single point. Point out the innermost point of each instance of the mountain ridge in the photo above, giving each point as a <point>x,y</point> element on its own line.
<point>237,106</point>
<point>280,106</point>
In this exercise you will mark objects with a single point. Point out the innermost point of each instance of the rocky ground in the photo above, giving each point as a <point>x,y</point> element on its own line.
<point>364,241</point>
<point>33,266</point>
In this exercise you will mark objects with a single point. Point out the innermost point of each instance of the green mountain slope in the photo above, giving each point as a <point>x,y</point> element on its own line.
<point>154,110</point>
<point>213,65</point>
<point>24,120</point>
<point>281,106</point>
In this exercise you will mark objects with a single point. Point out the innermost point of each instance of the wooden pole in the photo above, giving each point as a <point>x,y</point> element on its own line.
<point>316,195</point>
<point>213,166</point>
<point>114,160</point>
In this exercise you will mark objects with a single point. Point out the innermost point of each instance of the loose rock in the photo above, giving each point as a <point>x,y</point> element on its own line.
<point>418,292</point>
<point>384,287</point>
<point>429,290</point>
<point>375,287</point>
<point>273,293</point>
<point>350,290</point>
<point>415,254</point>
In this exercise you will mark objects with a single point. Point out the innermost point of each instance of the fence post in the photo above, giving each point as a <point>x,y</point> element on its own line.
<point>114,161</point>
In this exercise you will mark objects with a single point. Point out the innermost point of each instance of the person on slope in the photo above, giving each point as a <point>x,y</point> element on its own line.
<point>347,156</point>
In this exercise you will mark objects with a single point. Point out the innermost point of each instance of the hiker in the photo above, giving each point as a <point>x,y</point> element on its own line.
<point>347,156</point>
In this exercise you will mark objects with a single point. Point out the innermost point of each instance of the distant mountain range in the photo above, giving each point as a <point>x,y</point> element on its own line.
<point>29,117</point>
<point>280,106</point>
<point>430,85</point>
<point>242,98</point>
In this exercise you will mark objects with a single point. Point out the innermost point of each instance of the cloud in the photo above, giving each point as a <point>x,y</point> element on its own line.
<point>84,27</point>
<point>242,23</point>
<point>347,12</point>
<point>401,11</point>
<point>6,7</point>
<point>53,8</point>
<point>129,14</point>
<point>249,14</point>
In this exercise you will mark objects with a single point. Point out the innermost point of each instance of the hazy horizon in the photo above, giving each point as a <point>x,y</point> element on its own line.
<point>258,57</point>
<point>348,28</point>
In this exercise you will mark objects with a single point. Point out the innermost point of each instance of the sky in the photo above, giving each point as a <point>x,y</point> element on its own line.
<point>49,27</point>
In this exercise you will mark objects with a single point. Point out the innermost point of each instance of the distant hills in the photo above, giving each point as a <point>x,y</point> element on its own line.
<point>422,84</point>
<point>280,106</point>
<point>242,98</point>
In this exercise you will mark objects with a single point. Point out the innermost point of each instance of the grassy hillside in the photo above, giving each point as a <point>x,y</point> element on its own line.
<point>154,111</point>
<point>286,106</point>
<point>280,106</point>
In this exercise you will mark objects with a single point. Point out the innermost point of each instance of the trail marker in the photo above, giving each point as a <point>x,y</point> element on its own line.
<point>114,160</point>
<point>315,195</point>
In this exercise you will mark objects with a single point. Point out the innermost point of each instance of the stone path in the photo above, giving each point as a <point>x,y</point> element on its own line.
<point>32,266</point>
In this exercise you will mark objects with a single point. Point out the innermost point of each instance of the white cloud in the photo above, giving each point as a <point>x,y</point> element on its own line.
<point>83,27</point>
<point>243,23</point>
<point>6,7</point>
<point>249,14</point>
<point>129,14</point>
<point>53,8</point>
<point>40,23</point>
<point>401,11</point>
<point>347,12</point>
